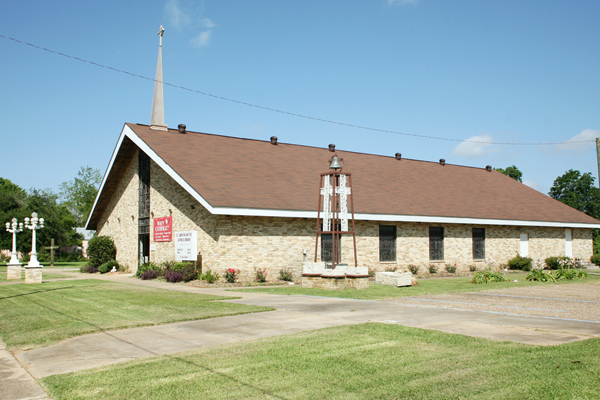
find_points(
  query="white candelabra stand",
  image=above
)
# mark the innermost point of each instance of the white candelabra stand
(13, 270)
(34, 224)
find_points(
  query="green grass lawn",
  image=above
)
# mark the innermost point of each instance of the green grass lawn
(425, 286)
(45, 275)
(39, 315)
(368, 361)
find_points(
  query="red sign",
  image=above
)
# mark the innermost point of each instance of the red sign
(163, 229)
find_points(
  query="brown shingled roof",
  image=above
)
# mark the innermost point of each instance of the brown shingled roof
(244, 173)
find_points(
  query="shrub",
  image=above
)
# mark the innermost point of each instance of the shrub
(487, 277)
(472, 268)
(433, 269)
(174, 276)
(107, 266)
(101, 249)
(148, 275)
(149, 266)
(555, 262)
(286, 275)
(414, 269)
(371, 273)
(451, 268)
(209, 276)
(391, 269)
(86, 269)
(231, 275)
(522, 263)
(595, 259)
(261, 275)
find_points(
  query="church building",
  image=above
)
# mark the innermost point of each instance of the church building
(174, 194)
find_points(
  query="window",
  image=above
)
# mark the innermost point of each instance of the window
(327, 247)
(144, 208)
(387, 243)
(478, 243)
(436, 243)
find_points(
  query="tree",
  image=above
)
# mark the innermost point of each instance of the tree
(579, 192)
(79, 194)
(12, 202)
(512, 172)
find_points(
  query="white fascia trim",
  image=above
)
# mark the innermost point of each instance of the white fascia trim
(166, 167)
(398, 218)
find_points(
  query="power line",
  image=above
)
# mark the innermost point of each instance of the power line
(286, 112)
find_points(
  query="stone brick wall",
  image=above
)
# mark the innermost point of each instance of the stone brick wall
(266, 243)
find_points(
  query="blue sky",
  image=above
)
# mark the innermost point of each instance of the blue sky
(488, 71)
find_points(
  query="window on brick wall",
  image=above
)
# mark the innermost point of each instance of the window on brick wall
(387, 243)
(478, 243)
(436, 243)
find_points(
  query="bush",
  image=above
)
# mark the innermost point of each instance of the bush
(261, 275)
(472, 268)
(451, 268)
(107, 266)
(555, 262)
(414, 269)
(487, 277)
(433, 269)
(174, 276)
(540, 275)
(286, 275)
(148, 275)
(88, 269)
(595, 259)
(391, 269)
(522, 263)
(101, 249)
(209, 276)
(149, 266)
(231, 275)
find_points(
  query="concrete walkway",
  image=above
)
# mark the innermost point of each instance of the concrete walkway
(292, 314)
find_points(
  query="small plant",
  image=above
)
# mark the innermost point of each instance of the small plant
(451, 268)
(173, 276)
(472, 268)
(522, 263)
(231, 275)
(147, 267)
(91, 269)
(433, 269)
(261, 275)
(391, 269)
(540, 275)
(371, 273)
(209, 276)
(107, 266)
(285, 275)
(487, 277)
(148, 275)
(414, 269)
(595, 259)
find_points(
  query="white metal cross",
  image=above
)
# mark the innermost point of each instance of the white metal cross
(327, 192)
(343, 191)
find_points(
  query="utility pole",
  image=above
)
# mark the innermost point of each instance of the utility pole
(598, 157)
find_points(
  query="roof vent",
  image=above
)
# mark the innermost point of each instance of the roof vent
(273, 139)
(181, 128)
(332, 147)
(442, 161)
(398, 156)
(488, 168)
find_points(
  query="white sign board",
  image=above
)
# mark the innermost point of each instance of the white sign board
(186, 246)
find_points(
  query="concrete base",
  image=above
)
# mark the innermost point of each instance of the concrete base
(13, 271)
(33, 274)
(396, 279)
(323, 282)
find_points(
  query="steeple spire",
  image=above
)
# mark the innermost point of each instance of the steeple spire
(157, 120)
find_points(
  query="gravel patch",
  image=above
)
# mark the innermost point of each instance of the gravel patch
(577, 301)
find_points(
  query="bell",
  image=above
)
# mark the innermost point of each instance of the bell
(335, 163)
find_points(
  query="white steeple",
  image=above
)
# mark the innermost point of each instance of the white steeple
(157, 121)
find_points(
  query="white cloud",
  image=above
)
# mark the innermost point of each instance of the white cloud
(392, 2)
(579, 143)
(207, 23)
(176, 15)
(475, 147)
(202, 39)
(533, 185)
